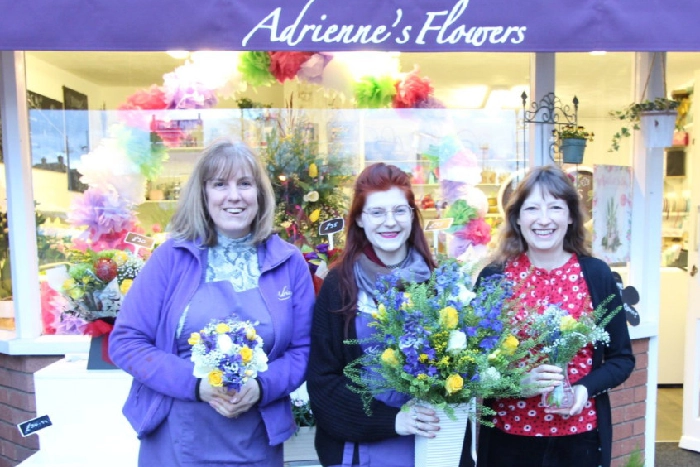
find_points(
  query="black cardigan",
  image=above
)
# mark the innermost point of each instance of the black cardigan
(339, 413)
(612, 364)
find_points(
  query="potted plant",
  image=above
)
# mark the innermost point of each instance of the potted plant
(572, 144)
(656, 119)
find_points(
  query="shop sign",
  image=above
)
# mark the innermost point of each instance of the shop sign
(35, 424)
(438, 224)
(330, 25)
(139, 240)
(331, 226)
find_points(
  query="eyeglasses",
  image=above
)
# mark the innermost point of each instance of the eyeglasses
(401, 213)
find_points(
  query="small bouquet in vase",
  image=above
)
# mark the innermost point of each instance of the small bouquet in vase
(563, 336)
(228, 353)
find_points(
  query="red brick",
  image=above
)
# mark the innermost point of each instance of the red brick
(640, 394)
(622, 397)
(623, 430)
(6, 462)
(21, 381)
(618, 415)
(642, 361)
(35, 363)
(634, 411)
(637, 378)
(21, 400)
(640, 426)
(640, 346)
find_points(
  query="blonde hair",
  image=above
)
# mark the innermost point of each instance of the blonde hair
(222, 159)
(554, 181)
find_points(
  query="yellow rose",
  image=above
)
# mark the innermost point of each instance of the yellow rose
(454, 383)
(126, 285)
(216, 378)
(246, 354)
(313, 170)
(194, 338)
(389, 357)
(568, 323)
(510, 345)
(313, 217)
(449, 317)
(222, 328)
(251, 334)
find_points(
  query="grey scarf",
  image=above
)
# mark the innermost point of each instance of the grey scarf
(412, 269)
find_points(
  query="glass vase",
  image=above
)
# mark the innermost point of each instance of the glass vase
(562, 397)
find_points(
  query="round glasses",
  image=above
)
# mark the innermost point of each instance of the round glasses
(400, 213)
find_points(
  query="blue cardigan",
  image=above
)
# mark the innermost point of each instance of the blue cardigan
(612, 364)
(143, 340)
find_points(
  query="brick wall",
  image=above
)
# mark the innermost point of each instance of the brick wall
(629, 408)
(17, 404)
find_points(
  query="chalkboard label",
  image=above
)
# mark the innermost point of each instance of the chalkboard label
(35, 424)
(139, 240)
(439, 224)
(331, 226)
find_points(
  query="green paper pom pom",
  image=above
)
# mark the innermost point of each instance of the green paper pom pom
(147, 156)
(461, 212)
(375, 93)
(255, 68)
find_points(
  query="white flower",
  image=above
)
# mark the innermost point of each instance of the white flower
(300, 394)
(260, 359)
(224, 344)
(490, 375)
(465, 295)
(312, 196)
(457, 341)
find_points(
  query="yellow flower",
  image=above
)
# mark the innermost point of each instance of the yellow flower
(510, 345)
(216, 378)
(313, 170)
(313, 217)
(194, 338)
(222, 328)
(423, 358)
(120, 257)
(454, 383)
(422, 376)
(380, 314)
(389, 357)
(249, 373)
(246, 354)
(493, 356)
(449, 317)
(568, 323)
(68, 284)
(251, 334)
(406, 301)
(126, 285)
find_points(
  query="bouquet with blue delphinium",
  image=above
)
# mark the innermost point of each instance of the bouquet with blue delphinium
(228, 353)
(444, 341)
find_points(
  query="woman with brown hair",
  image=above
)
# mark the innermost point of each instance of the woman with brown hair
(543, 252)
(383, 234)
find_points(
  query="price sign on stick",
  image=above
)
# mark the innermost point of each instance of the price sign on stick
(330, 227)
(139, 241)
(435, 226)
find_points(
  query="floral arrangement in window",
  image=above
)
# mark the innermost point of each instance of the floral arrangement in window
(307, 184)
(444, 341)
(631, 114)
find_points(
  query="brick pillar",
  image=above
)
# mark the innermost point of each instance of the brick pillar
(629, 408)
(17, 404)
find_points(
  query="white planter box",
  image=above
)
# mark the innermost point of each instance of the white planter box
(300, 447)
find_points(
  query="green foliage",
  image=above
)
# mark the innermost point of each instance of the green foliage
(307, 185)
(576, 132)
(635, 459)
(630, 115)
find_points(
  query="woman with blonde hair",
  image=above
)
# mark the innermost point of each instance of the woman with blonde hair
(222, 259)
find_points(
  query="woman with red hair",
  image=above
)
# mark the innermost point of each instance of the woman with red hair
(383, 234)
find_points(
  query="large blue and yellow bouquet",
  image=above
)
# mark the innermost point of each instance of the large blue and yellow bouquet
(228, 353)
(444, 341)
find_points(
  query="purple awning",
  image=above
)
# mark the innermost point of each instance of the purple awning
(335, 25)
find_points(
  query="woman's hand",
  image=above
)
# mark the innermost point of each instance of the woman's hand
(580, 398)
(541, 380)
(419, 421)
(232, 404)
(207, 392)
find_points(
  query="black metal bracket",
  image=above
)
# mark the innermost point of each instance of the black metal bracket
(549, 111)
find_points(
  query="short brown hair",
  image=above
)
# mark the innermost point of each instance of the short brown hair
(221, 159)
(558, 184)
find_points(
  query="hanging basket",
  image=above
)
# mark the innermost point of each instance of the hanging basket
(572, 150)
(657, 128)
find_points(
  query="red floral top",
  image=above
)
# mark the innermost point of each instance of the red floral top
(537, 288)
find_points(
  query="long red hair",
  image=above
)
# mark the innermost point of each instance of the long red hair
(376, 177)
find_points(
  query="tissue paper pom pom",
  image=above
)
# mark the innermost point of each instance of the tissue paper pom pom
(338, 76)
(474, 197)
(255, 68)
(134, 112)
(411, 89)
(147, 157)
(374, 93)
(312, 69)
(102, 211)
(477, 231)
(286, 65)
(430, 103)
(185, 88)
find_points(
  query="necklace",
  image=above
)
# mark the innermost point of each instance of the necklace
(394, 266)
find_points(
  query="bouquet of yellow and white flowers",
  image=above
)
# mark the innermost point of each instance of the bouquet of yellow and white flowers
(444, 342)
(228, 353)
